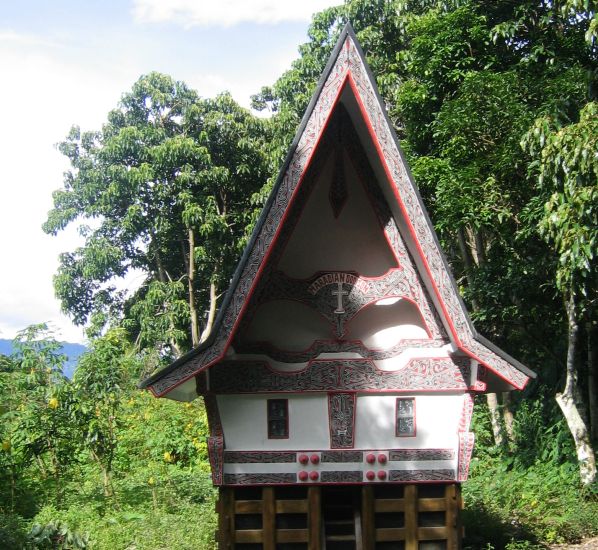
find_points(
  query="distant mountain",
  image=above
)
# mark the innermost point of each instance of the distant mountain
(72, 351)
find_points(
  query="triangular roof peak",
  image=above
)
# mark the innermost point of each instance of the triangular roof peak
(346, 85)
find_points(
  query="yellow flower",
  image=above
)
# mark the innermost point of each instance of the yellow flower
(168, 457)
(6, 445)
(53, 403)
(151, 480)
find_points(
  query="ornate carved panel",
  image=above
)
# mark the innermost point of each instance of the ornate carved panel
(341, 477)
(252, 457)
(341, 456)
(259, 479)
(422, 475)
(421, 454)
(421, 374)
(215, 454)
(341, 420)
(466, 441)
(336, 346)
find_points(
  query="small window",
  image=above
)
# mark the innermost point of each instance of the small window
(278, 418)
(405, 426)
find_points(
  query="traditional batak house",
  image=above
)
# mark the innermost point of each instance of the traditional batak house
(340, 373)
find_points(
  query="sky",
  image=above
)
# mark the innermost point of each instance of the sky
(67, 62)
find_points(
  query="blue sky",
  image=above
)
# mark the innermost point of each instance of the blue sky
(67, 62)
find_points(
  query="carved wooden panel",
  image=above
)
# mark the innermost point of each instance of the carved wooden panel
(341, 420)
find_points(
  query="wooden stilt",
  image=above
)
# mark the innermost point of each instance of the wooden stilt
(268, 519)
(411, 507)
(368, 528)
(226, 519)
(314, 517)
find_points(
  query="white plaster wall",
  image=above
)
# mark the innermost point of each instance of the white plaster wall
(244, 421)
(437, 420)
(352, 242)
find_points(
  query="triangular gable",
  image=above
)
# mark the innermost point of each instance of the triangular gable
(346, 73)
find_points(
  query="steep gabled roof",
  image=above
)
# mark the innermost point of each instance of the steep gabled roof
(346, 78)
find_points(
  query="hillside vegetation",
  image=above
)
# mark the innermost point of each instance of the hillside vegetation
(496, 109)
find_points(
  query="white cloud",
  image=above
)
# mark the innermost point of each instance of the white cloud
(43, 97)
(226, 13)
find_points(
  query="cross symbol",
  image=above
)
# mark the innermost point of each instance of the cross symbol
(339, 293)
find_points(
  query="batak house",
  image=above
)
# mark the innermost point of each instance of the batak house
(340, 374)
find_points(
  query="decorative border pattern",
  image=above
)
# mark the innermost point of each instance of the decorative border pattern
(466, 441)
(421, 475)
(421, 454)
(466, 413)
(254, 457)
(259, 479)
(341, 477)
(341, 456)
(337, 346)
(215, 454)
(216, 439)
(341, 420)
(420, 374)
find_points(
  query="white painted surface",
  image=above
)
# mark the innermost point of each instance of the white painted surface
(352, 242)
(437, 421)
(244, 421)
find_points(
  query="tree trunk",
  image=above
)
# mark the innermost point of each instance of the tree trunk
(592, 379)
(191, 289)
(211, 313)
(568, 401)
(497, 431)
(507, 414)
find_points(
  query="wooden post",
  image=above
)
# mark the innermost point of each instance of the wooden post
(314, 517)
(410, 498)
(268, 519)
(226, 519)
(368, 527)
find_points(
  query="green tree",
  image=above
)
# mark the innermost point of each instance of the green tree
(103, 375)
(165, 188)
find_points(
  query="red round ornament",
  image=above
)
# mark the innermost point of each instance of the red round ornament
(303, 476)
(370, 475)
(370, 458)
(381, 475)
(304, 459)
(382, 459)
(314, 476)
(315, 459)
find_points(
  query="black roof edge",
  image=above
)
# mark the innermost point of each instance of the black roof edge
(347, 30)
(481, 339)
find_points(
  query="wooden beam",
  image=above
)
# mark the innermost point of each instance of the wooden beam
(268, 519)
(368, 507)
(453, 516)
(410, 498)
(314, 517)
(226, 519)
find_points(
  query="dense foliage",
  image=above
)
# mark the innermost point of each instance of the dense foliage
(495, 104)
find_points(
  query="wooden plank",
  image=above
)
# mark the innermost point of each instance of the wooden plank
(368, 505)
(314, 518)
(410, 498)
(248, 507)
(291, 506)
(453, 516)
(432, 533)
(226, 519)
(387, 505)
(357, 520)
(390, 535)
(432, 504)
(292, 535)
(249, 536)
(268, 519)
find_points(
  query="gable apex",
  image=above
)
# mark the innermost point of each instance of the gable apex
(346, 80)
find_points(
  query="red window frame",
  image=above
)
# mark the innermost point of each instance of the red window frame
(413, 432)
(277, 411)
